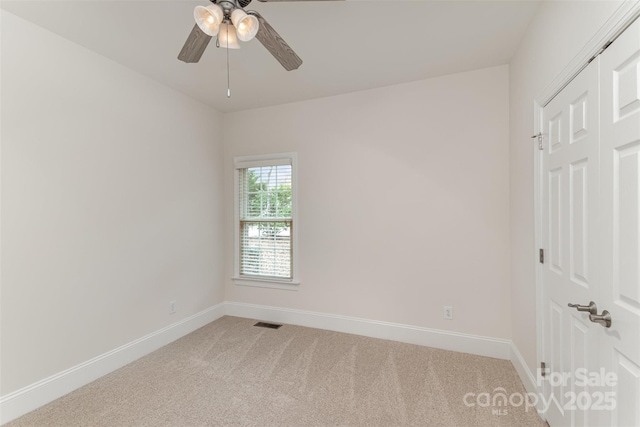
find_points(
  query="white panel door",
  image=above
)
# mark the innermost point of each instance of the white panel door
(570, 224)
(620, 200)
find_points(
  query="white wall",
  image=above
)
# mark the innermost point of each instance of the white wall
(403, 201)
(111, 205)
(555, 36)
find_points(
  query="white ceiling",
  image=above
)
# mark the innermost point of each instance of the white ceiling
(346, 46)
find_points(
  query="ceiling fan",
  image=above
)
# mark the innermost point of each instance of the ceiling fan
(229, 21)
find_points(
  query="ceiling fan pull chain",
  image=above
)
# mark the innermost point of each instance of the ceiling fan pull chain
(228, 78)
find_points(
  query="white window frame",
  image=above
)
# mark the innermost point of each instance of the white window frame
(243, 162)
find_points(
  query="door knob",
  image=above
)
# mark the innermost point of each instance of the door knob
(592, 308)
(604, 319)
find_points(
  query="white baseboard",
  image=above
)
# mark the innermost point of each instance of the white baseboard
(455, 341)
(525, 374)
(25, 400)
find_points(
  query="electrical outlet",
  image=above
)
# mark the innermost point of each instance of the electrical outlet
(172, 307)
(448, 312)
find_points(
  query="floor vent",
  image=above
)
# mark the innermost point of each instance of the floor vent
(267, 325)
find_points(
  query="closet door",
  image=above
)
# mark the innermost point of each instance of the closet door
(570, 221)
(620, 229)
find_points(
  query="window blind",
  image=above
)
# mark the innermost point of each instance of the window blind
(266, 220)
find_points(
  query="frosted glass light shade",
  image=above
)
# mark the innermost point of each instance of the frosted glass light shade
(232, 41)
(208, 18)
(246, 25)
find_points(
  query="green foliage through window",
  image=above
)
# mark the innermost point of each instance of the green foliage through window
(268, 192)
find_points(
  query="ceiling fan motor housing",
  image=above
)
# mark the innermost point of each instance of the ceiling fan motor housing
(229, 5)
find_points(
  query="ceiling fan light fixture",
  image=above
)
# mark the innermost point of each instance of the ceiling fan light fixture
(246, 25)
(208, 18)
(232, 41)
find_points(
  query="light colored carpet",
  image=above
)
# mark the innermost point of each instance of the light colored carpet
(230, 373)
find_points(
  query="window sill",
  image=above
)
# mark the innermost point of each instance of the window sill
(289, 285)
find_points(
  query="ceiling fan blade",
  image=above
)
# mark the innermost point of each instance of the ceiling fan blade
(271, 40)
(194, 46)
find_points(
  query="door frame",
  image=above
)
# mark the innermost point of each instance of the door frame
(628, 12)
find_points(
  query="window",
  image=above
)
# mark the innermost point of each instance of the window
(265, 232)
